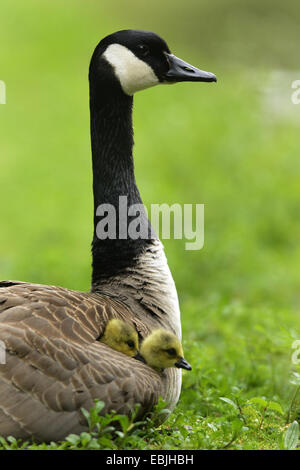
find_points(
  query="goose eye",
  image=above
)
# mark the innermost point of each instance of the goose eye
(143, 49)
(130, 343)
(171, 352)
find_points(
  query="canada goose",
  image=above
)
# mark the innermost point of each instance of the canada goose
(121, 336)
(55, 364)
(162, 349)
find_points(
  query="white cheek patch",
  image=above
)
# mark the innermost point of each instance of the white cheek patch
(134, 74)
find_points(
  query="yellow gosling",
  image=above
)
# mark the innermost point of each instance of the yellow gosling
(162, 349)
(121, 336)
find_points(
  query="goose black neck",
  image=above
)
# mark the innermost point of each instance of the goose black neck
(113, 176)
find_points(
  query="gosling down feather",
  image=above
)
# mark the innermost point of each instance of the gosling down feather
(55, 360)
(122, 337)
(160, 349)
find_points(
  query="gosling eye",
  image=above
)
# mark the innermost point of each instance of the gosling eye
(171, 352)
(143, 50)
(130, 343)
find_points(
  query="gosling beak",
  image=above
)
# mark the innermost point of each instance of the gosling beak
(183, 364)
(181, 71)
(139, 357)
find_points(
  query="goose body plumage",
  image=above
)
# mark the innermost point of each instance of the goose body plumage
(55, 364)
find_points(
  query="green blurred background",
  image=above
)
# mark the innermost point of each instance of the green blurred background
(233, 146)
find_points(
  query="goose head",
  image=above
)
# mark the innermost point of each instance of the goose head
(121, 336)
(162, 349)
(142, 59)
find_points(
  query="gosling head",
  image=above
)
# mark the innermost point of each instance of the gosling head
(121, 336)
(137, 60)
(162, 349)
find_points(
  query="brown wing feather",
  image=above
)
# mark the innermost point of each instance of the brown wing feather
(55, 365)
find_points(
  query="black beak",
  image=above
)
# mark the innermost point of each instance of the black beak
(183, 364)
(139, 357)
(181, 71)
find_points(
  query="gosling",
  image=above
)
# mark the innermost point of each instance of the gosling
(162, 349)
(121, 336)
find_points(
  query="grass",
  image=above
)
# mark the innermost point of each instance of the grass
(195, 143)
